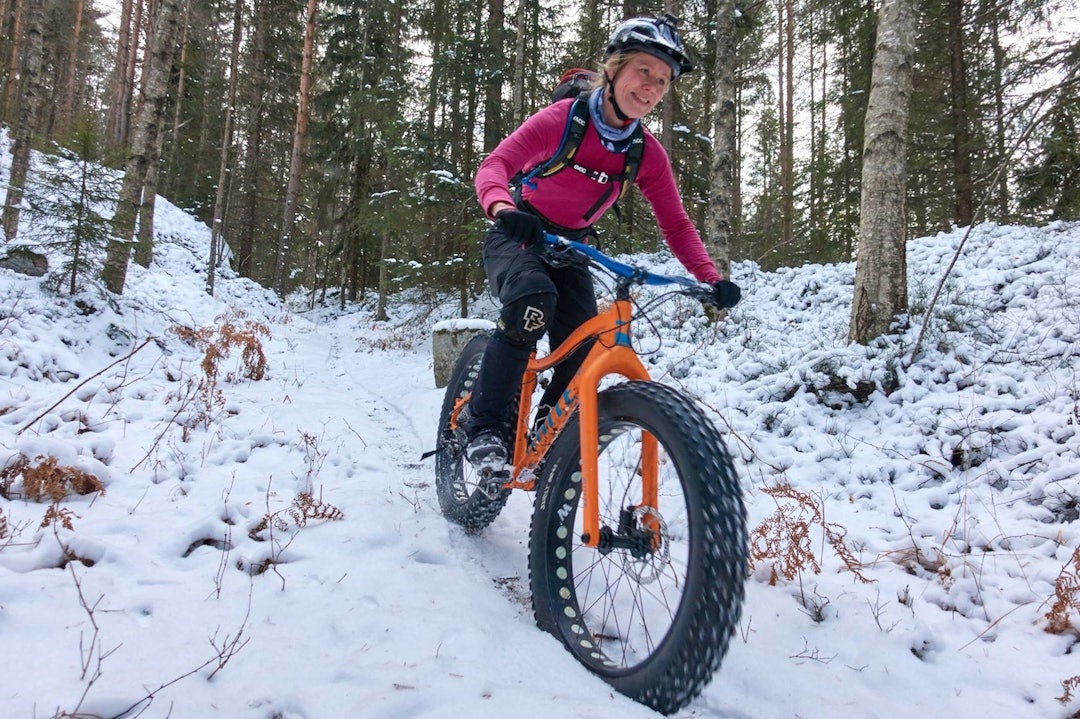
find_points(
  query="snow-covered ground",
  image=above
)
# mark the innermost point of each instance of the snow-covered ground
(939, 500)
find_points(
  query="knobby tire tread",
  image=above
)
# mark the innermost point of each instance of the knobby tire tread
(468, 507)
(683, 663)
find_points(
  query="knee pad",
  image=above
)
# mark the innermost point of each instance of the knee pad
(525, 320)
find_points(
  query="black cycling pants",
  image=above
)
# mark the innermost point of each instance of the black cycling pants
(515, 273)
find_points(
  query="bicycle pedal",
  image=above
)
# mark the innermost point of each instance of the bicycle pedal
(493, 481)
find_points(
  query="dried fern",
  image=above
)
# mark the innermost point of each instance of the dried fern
(1068, 685)
(46, 478)
(784, 537)
(304, 508)
(233, 330)
(1066, 597)
(57, 516)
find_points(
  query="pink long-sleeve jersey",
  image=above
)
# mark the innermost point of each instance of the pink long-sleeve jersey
(565, 196)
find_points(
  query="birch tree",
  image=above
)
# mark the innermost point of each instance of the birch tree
(296, 161)
(719, 221)
(881, 266)
(143, 144)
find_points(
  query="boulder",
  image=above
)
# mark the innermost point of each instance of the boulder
(448, 338)
(25, 261)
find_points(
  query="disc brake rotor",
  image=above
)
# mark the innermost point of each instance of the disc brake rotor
(648, 568)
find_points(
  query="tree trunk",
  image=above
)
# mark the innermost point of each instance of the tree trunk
(217, 226)
(67, 86)
(493, 102)
(517, 102)
(384, 280)
(964, 210)
(719, 222)
(18, 36)
(787, 140)
(30, 94)
(120, 89)
(881, 268)
(181, 81)
(144, 241)
(667, 108)
(255, 89)
(296, 160)
(1000, 144)
(436, 40)
(143, 146)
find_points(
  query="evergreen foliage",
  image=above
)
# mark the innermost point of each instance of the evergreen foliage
(67, 204)
(1050, 185)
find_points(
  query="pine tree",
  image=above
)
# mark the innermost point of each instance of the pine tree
(226, 164)
(66, 203)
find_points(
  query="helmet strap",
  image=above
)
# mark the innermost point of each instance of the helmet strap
(623, 117)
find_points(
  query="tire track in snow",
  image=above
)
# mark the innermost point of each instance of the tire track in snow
(395, 401)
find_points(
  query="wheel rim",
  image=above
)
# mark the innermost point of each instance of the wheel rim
(463, 477)
(621, 602)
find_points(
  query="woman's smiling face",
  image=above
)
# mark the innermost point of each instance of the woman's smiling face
(641, 83)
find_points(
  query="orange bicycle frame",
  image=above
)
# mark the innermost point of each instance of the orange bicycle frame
(612, 353)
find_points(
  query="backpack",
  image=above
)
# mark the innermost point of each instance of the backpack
(573, 82)
(576, 83)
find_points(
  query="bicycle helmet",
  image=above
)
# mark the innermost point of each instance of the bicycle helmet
(656, 36)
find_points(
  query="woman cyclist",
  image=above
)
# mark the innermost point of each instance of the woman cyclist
(643, 57)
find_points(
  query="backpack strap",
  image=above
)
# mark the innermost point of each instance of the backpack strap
(633, 158)
(576, 123)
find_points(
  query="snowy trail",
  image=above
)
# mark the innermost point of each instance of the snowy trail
(399, 523)
(390, 593)
(407, 413)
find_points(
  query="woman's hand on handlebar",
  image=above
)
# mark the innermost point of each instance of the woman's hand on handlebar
(725, 294)
(522, 227)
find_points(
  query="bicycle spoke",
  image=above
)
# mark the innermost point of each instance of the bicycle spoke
(627, 602)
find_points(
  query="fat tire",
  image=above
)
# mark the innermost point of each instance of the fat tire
(455, 479)
(678, 665)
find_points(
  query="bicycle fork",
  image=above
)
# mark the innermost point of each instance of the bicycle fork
(611, 354)
(622, 360)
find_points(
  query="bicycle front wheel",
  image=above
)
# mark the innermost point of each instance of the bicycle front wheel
(463, 496)
(652, 609)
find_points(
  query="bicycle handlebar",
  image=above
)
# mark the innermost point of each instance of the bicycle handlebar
(636, 275)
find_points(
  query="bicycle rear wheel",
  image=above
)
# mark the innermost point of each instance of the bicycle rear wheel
(463, 497)
(653, 608)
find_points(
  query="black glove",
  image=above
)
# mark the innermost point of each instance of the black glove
(521, 227)
(726, 294)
